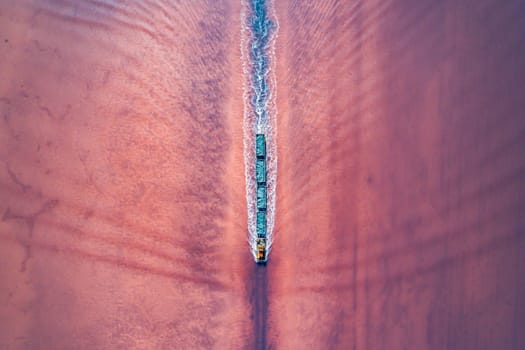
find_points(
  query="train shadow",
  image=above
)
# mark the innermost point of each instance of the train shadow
(258, 297)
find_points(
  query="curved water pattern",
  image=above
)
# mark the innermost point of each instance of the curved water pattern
(259, 31)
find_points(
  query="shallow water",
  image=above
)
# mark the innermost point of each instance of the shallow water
(122, 176)
(400, 183)
(401, 176)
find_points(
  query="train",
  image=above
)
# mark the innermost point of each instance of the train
(261, 251)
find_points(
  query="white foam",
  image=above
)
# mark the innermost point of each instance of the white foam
(259, 120)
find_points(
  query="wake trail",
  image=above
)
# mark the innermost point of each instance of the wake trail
(259, 32)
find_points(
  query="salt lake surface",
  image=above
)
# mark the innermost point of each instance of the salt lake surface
(400, 184)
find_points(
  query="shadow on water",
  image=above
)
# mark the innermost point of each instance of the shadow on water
(258, 292)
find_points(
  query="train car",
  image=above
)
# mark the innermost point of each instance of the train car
(261, 255)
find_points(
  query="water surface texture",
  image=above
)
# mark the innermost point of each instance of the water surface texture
(126, 129)
(122, 215)
(401, 176)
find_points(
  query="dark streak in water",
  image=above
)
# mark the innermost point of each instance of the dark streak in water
(259, 303)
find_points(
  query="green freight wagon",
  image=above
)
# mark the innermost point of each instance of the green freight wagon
(260, 171)
(260, 146)
(261, 198)
(261, 224)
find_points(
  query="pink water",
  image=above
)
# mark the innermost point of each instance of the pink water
(400, 196)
